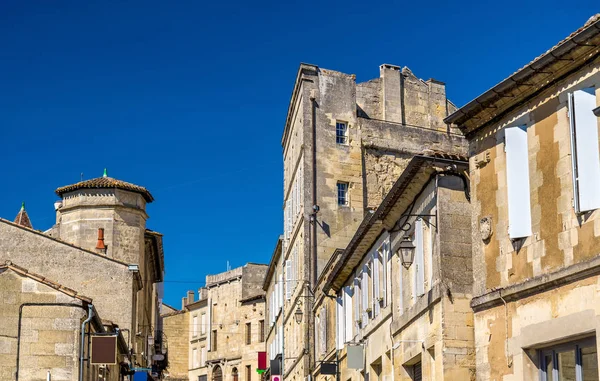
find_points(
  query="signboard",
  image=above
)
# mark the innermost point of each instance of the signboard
(328, 368)
(355, 357)
(262, 360)
(104, 350)
(275, 378)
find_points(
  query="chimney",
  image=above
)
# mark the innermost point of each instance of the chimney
(100, 245)
(190, 297)
(183, 303)
(392, 89)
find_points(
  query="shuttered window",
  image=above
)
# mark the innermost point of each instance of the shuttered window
(203, 324)
(340, 320)
(288, 279)
(517, 182)
(417, 372)
(419, 261)
(248, 333)
(357, 301)
(584, 148)
(261, 331)
(348, 323)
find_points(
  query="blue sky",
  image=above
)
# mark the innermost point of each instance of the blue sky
(189, 98)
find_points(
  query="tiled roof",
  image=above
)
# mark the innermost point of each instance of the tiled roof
(106, 183)
(22, 218)
(38, 278)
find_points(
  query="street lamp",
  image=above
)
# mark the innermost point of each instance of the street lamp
(298, 315)
(407, 252)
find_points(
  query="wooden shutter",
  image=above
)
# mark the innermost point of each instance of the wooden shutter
(586, 155)
(348, 324)
(340, 320)
(376, 275)
(517, 182)
(419, 260)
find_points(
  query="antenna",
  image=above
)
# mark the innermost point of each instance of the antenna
(81, 176)
(228, 268)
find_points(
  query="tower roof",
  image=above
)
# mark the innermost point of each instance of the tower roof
(22, 218)
(106, 182)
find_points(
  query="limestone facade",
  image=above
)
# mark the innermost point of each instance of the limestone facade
(533, 143)
(223, 330)
(344, 144)
(123, 278)
(409, 323)
(40, 325)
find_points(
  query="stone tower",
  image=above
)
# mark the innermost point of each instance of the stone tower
(105, 215)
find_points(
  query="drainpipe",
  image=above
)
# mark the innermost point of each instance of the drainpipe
(81, 352)
(21, 318)
(314, 209)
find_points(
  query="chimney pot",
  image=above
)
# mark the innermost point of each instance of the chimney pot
(190, 297)
(100, 245)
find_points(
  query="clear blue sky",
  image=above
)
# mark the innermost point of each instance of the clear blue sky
(189, 98)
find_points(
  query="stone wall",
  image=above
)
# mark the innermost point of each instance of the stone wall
(108, 282)
(175, 325)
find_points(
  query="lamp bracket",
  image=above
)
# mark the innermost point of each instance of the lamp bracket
(406, 226)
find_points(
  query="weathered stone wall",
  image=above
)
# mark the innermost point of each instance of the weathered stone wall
(560, 238)
(175, 326)
(108, 282)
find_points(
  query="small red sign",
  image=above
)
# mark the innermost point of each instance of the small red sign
(262, 360)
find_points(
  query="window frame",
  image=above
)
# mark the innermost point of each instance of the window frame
(553, 351)
(346, 186)
(341, 138)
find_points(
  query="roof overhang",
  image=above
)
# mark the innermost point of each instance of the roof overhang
(274, 259)
(581, 48)
(407, 188)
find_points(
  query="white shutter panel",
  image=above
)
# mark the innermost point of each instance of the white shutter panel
(357, 295)
(340, 320)
(419, 262)
(209, 319)
(288, 279)
(203, 324)
(517, 182)
(280, 293)
(430, 256)
(586, 156)
(364, 286)
(376, 275)
(280, 338)
(348, 314)
(386, 265)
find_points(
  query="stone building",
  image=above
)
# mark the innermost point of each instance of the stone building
(40, 329)
(100, 247)
(408, 316)
(344, 145)
(224, 329)
(535, 181)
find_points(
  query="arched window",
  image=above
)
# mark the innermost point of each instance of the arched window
(217, 374)
(234, 374)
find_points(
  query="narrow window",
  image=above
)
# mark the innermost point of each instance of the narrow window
(288, 279)
(417, 372)
(248, 333)
(248, 373)
(203, 324)
(341, 133)
(203, 358)
(340, 330)
(214, 340)
(348, 294)
(419, 268)
(195, 357)
(261, 332)
(342, 193)
(195, 326)
(584, 149)
(517, 182)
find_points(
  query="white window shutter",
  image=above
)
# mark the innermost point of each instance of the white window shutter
(348, 324)
(375, 272)
(209, 319)
(340, 320)
(280, 293)
(364, 286)
(357, 296)
(517, 182)
(429, 257)
(587, 155)
(288, 279)
(419, 260)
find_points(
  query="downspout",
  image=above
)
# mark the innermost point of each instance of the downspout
(312, 275)
(21, 318)
(285, 291)
(81, 353)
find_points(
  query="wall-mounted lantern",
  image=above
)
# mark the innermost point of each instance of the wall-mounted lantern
(407, 252)
(298, 315)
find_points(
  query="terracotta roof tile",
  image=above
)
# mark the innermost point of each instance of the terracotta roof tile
(106, 183)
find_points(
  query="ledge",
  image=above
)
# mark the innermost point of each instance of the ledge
(422, 305)
(537, 284)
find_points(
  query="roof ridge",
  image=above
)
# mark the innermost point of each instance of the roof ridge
(106, 182)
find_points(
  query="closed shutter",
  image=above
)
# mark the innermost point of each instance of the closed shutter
(517, 182)
(376, 275)
(364, 287)
(348, 324)
(417, 372)
(288, 279)
(340, 320)
(357, 297)
(209, 322)
(586, 155)
(419, 260)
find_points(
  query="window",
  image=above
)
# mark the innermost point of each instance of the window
(517, 182)
(261, 331)
(248, 373)
(248, 333)
(419, 261)
(342, 193)
(203, 324)
(203, 356)
(214, 340)
(584, 150)
(574, 361)
(195, 357)
(341, 133)
(195, 326)
(417, 372)
(347, 302)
